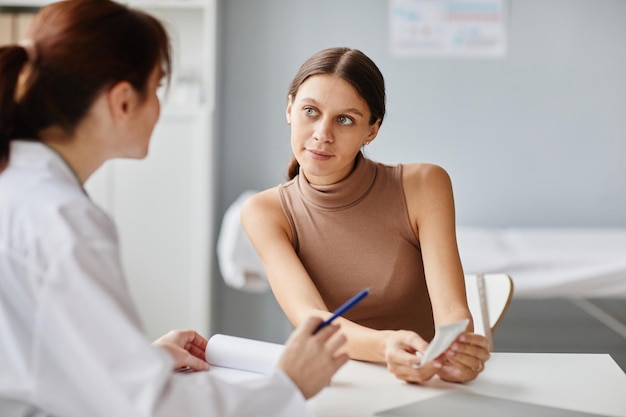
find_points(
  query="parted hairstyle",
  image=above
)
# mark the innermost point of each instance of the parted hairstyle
(74, 50)
(352, 66)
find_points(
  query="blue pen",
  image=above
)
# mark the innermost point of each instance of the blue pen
(345, 307)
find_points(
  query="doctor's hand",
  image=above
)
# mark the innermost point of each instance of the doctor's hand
(186, 348)
(465, 359)
(310, 360)
(403, 353)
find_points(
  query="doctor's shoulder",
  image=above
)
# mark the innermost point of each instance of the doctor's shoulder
(66, 215)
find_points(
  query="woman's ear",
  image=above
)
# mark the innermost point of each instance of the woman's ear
(122, 99)
(288, 110)
(373, 131)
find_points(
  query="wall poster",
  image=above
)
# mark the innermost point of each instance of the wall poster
(448, 28)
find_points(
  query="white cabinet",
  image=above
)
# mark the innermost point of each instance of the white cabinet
(163, 205)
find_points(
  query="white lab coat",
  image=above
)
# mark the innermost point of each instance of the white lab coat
(71, 342)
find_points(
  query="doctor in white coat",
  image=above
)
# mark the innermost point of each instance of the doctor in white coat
(79, 91)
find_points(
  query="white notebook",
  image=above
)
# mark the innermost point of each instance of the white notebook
(464, 404)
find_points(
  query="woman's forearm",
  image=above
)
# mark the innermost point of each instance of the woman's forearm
(363, 344)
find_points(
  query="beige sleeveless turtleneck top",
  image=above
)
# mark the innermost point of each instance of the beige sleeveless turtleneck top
(356, 234)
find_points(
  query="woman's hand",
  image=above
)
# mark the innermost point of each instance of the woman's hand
(403, 353)
(187, 348)
(465, 359)
(310, 360)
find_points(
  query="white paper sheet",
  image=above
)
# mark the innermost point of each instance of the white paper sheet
(237, 358)
(444, 336)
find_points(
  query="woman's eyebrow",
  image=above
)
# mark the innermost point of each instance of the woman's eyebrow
(348, 110)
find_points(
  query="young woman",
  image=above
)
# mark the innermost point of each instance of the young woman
(82, 89)
(343, 222)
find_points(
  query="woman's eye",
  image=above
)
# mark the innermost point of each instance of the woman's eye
(345, 120)
(310, 111)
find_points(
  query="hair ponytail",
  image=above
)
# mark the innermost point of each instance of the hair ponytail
(293, 168)
(77, 49)
(12, 59)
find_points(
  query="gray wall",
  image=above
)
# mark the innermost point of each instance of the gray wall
(537, 138)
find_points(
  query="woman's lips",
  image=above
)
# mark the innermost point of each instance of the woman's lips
(319, 155)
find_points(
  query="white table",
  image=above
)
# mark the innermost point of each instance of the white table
(582, 382)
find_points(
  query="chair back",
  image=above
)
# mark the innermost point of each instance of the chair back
(488, 298)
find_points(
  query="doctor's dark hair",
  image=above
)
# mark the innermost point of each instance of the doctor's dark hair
(352, 66)
(74, 50)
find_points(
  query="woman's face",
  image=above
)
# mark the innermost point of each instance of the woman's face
(329, 124)
(147, 115)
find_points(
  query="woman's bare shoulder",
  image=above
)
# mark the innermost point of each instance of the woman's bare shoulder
(428, 193)
(263, 206)
(424, 175)
(263, 199)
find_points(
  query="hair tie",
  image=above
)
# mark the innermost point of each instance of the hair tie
(29, 47)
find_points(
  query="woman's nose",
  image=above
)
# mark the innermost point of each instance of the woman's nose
(323, 131)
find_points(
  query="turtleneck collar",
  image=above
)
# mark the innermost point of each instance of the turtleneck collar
(344, 193)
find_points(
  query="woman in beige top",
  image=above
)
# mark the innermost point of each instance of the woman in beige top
(343, 222)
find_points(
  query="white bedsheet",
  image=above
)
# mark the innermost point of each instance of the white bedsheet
(239, 263)
(547, 262)
(543, 262)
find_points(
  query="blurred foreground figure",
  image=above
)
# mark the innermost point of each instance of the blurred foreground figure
(82, 89)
